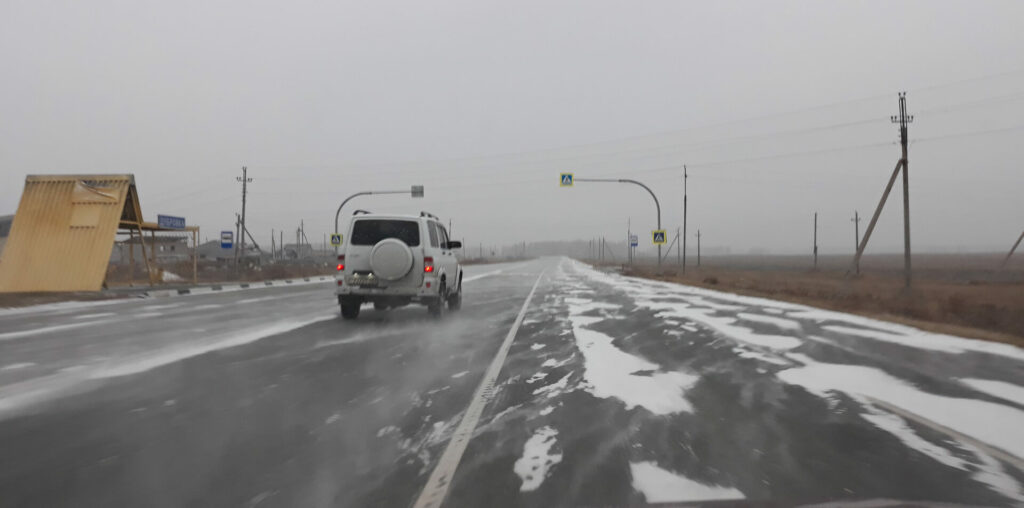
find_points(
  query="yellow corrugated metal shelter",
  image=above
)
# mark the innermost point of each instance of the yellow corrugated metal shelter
(64, 231)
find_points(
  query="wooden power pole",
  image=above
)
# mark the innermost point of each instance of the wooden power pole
(815, 240)
(903, 119)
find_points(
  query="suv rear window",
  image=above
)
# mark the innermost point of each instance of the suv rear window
(371, 231)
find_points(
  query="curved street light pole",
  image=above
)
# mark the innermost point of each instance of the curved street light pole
(416, 192)
(657, 205)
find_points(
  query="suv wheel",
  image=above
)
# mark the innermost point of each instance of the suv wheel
(350, 307)
(455, 299)
(436, 307)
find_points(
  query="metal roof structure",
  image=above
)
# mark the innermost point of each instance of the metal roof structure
(64, 230)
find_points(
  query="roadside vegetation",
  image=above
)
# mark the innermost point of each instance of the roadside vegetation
(964, 295)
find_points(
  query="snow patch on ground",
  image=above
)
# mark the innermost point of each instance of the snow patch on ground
(537, 459)
(898, 427)
(609, 371)
(459, 374)
(534, 347)
(704, 302)
(757, 355)
(661, 486)
(999, 389)
(556, 388)
(885, 331)
(990, 423)
(784, 324)
(723, 325)
(536, 377)
(552, 363)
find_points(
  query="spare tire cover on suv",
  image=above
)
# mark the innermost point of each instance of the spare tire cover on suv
(391, 259)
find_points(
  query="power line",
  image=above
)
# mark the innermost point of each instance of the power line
(968, 134)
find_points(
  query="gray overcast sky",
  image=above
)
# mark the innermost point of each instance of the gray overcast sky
(486, 102)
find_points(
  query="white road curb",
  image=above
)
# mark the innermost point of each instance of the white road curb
(227, 288)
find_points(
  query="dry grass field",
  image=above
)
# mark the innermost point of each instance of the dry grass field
(966, 295)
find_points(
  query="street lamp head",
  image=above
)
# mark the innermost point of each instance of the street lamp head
(417, 191)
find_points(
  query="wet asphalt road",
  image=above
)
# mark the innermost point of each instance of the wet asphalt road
(615, 391)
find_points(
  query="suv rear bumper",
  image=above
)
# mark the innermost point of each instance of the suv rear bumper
(414, 292)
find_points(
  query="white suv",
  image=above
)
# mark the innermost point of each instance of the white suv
(395, 260)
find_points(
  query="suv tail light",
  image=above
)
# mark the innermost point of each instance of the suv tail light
(341, 262)
(428, 264)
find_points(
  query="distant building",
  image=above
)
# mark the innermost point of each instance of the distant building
(298, 251)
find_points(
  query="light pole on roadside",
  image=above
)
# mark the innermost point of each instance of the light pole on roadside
(657, 205)
(416, 191)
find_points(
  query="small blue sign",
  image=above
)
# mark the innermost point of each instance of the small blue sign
(566, 180)
(634, 241)
(227, 239)
(335, 239)
(170, 222)
(658, 237)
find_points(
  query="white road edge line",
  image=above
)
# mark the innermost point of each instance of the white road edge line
(436, 489)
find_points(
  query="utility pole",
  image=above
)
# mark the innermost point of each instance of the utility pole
(815, 240)
(685, 177)
(238, 236)
(903, 119)
(679, 259)
(241, 241)
(629, 244)
(698, 248)
(856, 236)
(281, 233)
(273, 246)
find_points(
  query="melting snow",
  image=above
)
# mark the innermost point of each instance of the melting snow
(537, 458)
(608, 371)
(785, 324)
(995, 424)
(554, 388)
(460, 374)
(756, 355)
(662, 486)
(1000, 389)
(723, 325)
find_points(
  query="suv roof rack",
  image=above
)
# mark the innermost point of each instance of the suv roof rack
(428, 214)
(357, 212)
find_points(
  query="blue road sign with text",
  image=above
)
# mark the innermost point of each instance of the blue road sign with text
(170, 222)
(227, 239)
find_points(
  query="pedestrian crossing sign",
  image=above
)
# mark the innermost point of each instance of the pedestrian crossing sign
(566, 179)
(335, 239)
(658, 237)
